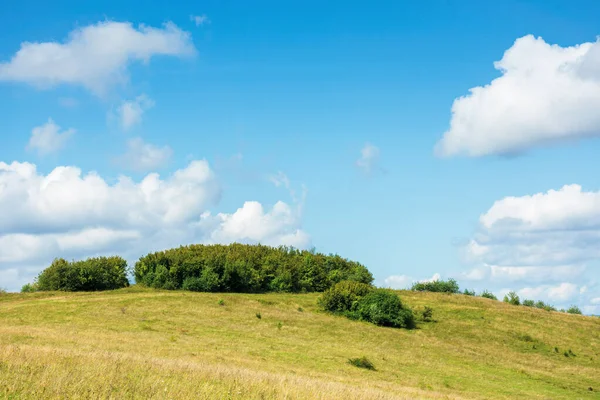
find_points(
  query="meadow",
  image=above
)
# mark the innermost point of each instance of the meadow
(141, 343)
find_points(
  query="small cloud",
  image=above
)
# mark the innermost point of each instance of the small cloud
(436, 277)
(68, 102)
(280, 179)
(200, 20)
(48, 138)
(368, 161)
(142, 156)
(398, 281)
(130, 112)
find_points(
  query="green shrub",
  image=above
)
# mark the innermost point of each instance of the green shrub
(246, 268)
(540, 304)
(468, 292)
(362, 362)
(221, 302)
(449, 286)
(102, 273)
(488, 295)
(528, 303)
(29, 288)
(258, 315)
(512, 298)
(343, 296)
(427, 314)
(383, 307)
(574, 310)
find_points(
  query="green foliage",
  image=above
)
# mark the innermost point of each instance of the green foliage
(29, 288)
(574, 310)
(540, 304)
(246, 269)
(468, 292)
(427, 314)
(449, 286)
(221, 302)
(512, 298)
(383, 307)
(343, 296)
(488, 295)
(102, 273)
(258, 315)
(362, 362)
(528, 303)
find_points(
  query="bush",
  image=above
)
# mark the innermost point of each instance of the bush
(488, 295)
(29, 288)
(512, 298)
(102, 273)
(540, 304)
(246, 268)
(344, 296)
(528, 303)
(449, 286)
(362, 362)
(468, 292)
(574, 310)
(427, 314)
(383, 307)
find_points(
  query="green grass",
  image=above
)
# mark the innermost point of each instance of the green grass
(142, 343)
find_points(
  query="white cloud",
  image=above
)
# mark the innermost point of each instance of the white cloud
(68, 102)
(595, 300)
(546, 94)
(200, 19)
(95, 56)
(558, 229)
(436, 277)
(48, 138)
(504, 274)
(369, 158)
(142, 156)
(280, 179)
(398, 281)
(130, 112)
(72, 215)
(561, 293)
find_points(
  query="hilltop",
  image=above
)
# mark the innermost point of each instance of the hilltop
(147, 343)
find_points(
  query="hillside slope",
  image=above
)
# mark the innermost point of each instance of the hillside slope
(141, 343)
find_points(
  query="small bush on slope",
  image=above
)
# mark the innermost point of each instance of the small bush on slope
(574, 310)
(512, 298)
(102, 273)
(488, 295)
(343, 296)
(383, 307)
(449, 286)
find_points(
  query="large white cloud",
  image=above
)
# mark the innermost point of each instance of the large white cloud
(546, 94)
(70, 214)
(94, 56)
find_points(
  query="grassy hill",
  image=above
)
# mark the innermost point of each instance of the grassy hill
(142, 343)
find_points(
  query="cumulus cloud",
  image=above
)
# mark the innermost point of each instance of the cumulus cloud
(561, 293)
(95, 56)
(368, 161)
(130, 111)
(200, 19)
(546, 94)
(48, 138)
(398, 281)
(558, 229)
(142, 156)
(70, 214)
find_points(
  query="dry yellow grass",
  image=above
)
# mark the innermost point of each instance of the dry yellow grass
(139, 343)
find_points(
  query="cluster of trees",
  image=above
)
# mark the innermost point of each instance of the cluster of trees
(246, 269)
(513, 298)
(440, 286)
(361, 301)
(101, 273)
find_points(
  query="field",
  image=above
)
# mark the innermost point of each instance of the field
(141, 343)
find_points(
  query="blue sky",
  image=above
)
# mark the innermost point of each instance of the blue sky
(267, 109)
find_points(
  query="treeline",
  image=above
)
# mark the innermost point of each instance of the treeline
(246, 269)
(451, 286)
(93, 274)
